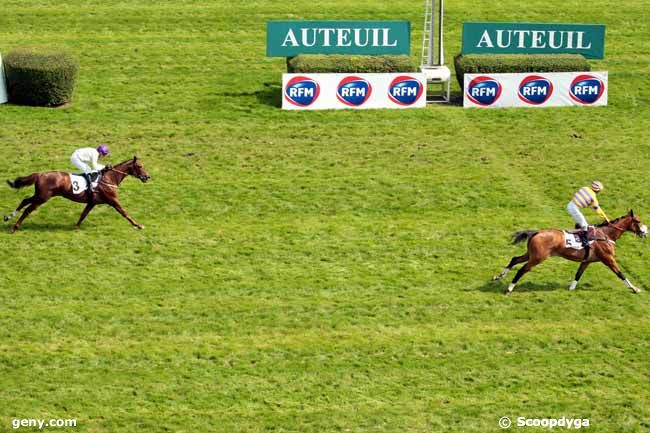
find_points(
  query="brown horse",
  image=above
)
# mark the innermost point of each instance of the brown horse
(545, 243)
(57, 183)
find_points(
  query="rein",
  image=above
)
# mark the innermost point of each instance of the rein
(617, 228)
(119, 171)
(115, 170)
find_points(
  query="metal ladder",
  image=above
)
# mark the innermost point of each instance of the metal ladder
(429, 34)
(432, 64)
(426, 34)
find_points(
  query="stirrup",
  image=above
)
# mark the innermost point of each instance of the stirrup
(591, 233)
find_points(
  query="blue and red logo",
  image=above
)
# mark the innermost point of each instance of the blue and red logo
(405, 90)
(302, 91)
(484, 90)
(586, 89)
(535, 89)
(353, 91)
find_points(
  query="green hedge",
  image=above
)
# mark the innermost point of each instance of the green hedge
(42, 77)
(345, 64)
(512, 63)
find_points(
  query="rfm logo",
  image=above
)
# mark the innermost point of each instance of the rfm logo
(586, 89)
(353, 91)
(405, 90)
(535, 89)
(301, 91)
(484, 90)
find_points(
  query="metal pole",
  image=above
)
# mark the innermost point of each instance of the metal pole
(432, 33)
(441, 56)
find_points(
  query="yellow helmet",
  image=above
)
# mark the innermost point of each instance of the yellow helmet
(596, 186)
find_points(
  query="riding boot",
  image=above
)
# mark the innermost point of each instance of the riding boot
(89, 187)
(584, 237)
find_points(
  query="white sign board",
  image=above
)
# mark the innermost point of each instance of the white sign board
(356, 91)
(535, 89)
(3, 83)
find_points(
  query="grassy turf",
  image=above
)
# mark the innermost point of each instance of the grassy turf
(321, 271)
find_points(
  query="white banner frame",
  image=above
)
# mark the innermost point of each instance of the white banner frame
(353, 91)
(535, 89)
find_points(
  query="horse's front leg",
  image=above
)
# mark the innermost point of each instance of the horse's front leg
(118, 207)
(610, 262)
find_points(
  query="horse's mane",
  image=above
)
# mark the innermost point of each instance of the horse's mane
(605, 223)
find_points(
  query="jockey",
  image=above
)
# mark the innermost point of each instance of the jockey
(85, 159)
(583, 198)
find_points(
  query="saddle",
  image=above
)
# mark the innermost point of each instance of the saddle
(79, 184)
(576, 240)
(94, 176)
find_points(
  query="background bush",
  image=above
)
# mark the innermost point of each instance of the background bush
(43, 77)
(344, 64)
(513, 63)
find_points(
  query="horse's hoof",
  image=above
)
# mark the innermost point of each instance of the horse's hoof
(495, 277)
(636, 290)
(6, 218)
(139, 227)
(507, 292)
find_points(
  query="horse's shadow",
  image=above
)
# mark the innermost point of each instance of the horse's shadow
(47, 227)
(499, 287)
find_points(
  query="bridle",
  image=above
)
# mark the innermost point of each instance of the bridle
(120, 172)
(614, 226)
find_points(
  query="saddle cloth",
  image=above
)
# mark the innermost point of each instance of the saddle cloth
(572, 240)
(79, 184)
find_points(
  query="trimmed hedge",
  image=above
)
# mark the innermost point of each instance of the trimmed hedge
(513, 63)
(346, 64)
(42, 77)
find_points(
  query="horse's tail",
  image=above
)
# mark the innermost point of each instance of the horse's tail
(21, 182)
(523, 235)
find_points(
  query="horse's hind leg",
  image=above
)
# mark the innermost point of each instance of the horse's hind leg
(514, 261)
(579, 273)
(32, 207)
(85, 213)
(534, 261)
(20, 206)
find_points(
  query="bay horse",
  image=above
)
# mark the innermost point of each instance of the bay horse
(545, 243)
(57, 183)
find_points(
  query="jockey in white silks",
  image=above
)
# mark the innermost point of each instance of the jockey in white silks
(87, 159)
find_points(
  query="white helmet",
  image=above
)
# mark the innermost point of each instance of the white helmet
(596, 186)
